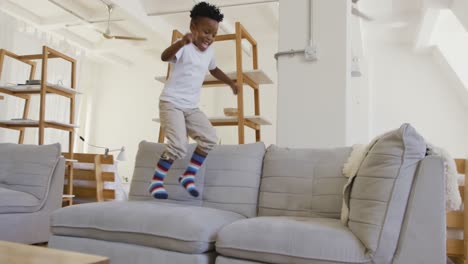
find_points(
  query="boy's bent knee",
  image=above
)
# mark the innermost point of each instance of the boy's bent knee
(208, 143)
(175, 152)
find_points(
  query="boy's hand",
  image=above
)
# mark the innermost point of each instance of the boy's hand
(234, 88)
(188, 38)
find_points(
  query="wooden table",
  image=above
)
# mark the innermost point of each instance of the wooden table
(14, 253)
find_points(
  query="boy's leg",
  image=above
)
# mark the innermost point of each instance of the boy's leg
(156, 187)
(200, 129)
(173, 122)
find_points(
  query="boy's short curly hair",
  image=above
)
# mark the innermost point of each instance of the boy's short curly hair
(204, 9)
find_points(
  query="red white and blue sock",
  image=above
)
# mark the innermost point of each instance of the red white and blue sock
(188, 178)
(157, 184)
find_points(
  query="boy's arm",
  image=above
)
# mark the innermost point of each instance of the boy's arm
(220, 75)
(169, 53)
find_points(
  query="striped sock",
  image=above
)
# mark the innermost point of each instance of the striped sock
(188, 178)
(156, 187)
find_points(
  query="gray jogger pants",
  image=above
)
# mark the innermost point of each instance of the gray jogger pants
(178, 122)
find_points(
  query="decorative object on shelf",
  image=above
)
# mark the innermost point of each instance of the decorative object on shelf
(33, 82)
(230, 111)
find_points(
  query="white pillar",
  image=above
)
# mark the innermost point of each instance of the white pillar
(313, 98)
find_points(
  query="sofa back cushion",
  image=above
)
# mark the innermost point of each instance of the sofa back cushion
(302, 182)
(229, 178)
(28, 168)
(381, 188)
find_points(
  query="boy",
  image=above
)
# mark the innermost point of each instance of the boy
(191, 57)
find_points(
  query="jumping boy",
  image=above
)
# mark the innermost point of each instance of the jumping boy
(190, 57)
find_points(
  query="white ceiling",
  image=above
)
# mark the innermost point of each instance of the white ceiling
(80, 20)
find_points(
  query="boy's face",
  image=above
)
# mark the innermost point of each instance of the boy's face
(204, 31)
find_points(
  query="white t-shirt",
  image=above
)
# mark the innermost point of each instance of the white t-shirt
(188, 71)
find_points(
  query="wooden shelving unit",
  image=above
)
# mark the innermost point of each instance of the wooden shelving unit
(252, 78)
(43, 89)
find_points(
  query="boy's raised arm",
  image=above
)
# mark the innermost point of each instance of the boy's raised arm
(169, 53)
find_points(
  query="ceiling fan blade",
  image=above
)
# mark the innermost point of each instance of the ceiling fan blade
(129, 38)
(358, 13)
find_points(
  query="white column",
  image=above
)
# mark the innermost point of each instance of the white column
(312, 96)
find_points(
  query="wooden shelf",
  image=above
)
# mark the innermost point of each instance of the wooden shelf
(252, 78)
(17, 124)
(42, 90)
(36, 89)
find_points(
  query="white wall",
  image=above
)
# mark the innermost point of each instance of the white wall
(313, 100)
(359, 111)
(411, 88)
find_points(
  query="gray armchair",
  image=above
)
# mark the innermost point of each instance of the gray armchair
(31, 187)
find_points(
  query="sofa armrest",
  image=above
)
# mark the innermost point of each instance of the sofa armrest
(423, 234)
(54, 196)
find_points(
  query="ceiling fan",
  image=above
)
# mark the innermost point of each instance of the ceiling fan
(358, 13)
(108, 35)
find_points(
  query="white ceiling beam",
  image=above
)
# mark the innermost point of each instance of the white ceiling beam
(427, 22)
(220, 6)
(110, 58)
(57, 22)
(437, 4)
(115, 45)
(460, 9)
(73, 8)
(458, 83)
(30, 18)
(136, 10)
(425, 29)
(19, 12)
(76, 39)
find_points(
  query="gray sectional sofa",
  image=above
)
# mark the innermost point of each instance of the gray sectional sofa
(31, 187)
(275, 205)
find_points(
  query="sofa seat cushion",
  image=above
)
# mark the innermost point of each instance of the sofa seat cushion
(290, 240)
(12, 201)
(175, 227)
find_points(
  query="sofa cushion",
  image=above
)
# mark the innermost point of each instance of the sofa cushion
(12, 201)
(28, 168)
(232, 178)
(175, 227)
(302, 182)
(228, 180)
(298, 240)
(379, 193)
